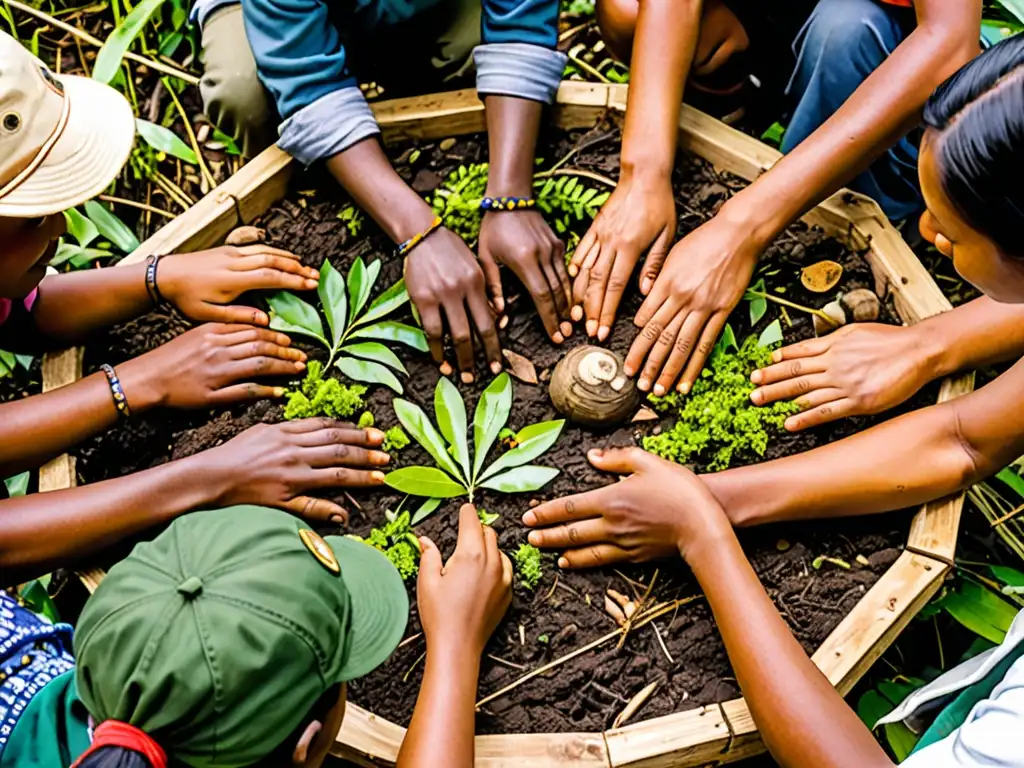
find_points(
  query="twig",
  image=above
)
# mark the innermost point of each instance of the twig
(793, 305)
(173, 190)
(1007, 517)
(134, 204)
(588, 68)
(568, 34)
(506, 662)
(661, 642)
(192, 137)
(577, 172)
(411, 639)
(642, 602)
(85, 36)
(405, 677)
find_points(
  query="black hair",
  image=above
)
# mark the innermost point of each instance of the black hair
(115, 757)
(977, 116)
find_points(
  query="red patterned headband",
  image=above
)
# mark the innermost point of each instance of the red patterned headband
(113, 733)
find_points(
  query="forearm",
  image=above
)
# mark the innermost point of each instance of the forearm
(665, 42)
(512, 126)
(365, 172)
(801, 717)
(43, 531)
(71, 306)
(443, 723)
(979, 333)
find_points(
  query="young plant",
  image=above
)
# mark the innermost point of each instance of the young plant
(97, 225)
(318, 396)
(398, 543)
(455, 475)
(366, 360)
(528, 565)
(10, 362)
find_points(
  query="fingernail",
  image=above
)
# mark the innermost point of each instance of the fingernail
(314, 273)
(557, 338)
(311, 284)
(503, 323)
(279, 391)
(644, 384)
(576, 313)
(573, 270)
(659, 390)
(755, 377)
(302, 355)
(299, 365)
(645, 285)
(534, 537)
(591, 327)
(596, 453)
(495, 367)
(377, 477)
(262, 318)
(566, 328)
(499, 304)
(339, 519)
(755, 397)
(777, 356)
(629, 370)
(446, 369)
(602, 332)
(529, 519)
(380, 457)
(563, 562)
(467, 377)
(684, 388)
(375, 435)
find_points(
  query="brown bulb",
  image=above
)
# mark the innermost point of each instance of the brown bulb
(588, 386)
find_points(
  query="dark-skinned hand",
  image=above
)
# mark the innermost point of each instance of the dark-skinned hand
(860, 369)
(200, 284)
(210, 366)
(660, 510)
(523, 242)
(703, 279)
(446, 283)
(639, 216)
(462, 601)
(276, 465)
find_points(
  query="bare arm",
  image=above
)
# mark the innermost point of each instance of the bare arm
(71, 306)
(979, 333)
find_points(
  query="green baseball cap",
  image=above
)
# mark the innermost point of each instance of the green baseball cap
(217, 637)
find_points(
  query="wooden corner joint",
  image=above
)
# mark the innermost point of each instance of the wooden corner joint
(947, 563)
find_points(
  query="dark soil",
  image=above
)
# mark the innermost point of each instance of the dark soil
(566, 610)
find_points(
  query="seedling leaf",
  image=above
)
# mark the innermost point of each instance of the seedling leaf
(418, 425)
(770, 335)
(521, 479)
(393, 298)
(725, 341)
(291, 314)
(424, 481)
(368, 372)
(82, 229)
(372, 350)
(427, 508)
(359, 284)
(165, 140)
(491, 415)
(392, 331)
(111, 227)
(331, 290)
(531, 442)
(108, 60)
(980, 610)
(17, 485)
(451, 418)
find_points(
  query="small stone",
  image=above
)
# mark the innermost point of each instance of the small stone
(534, 503)
(446, 144)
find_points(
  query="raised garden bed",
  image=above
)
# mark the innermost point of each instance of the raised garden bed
(845, 616)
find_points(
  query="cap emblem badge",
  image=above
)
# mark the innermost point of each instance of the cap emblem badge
(321, 550)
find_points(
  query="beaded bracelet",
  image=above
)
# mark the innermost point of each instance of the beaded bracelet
(412, 242)
(507, 203)
(152, 288)
(116, 391)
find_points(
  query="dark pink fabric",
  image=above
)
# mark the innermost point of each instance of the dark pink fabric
(5, 305)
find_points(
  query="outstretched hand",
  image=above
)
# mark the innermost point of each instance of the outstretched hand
(660, 510)
(200, 284)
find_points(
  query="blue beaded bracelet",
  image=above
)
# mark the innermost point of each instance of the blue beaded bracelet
(116, 391)
(507, 203)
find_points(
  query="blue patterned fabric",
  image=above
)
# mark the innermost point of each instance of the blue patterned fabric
(32, 653)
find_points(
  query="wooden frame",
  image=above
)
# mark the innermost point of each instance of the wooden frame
(710, 735)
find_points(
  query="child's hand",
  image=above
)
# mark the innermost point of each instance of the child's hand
(199, 284)
(462, 601)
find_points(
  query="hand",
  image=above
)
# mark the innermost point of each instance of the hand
(704, 278)
(198, 284)
(522, 241)
(659, 510)
(202, 368)
(461, 602)
(860, 369)
(442, 275)
(276, 465)
(639, 215)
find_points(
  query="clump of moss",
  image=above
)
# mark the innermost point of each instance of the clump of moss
(528, 565)
(395, 439)
(318, 396)
(366, 420)
(717, 420)
(398, 543)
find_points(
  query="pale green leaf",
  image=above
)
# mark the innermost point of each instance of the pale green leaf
(424, 481)
(25, 361)
(770, 335)
(531, 442)
(374, 350)
(108, 60)
(451, 418)
(18, 485)
(331, 290)
(422, 431)
(165, 140)
(79, 227)
(426, 509)
(725, 341)
(290, 314)
(392, 331)
(980, 610)
(368, 372)
(111, 227)
(758, 306)
(521, 479)
(1012, 479)
(491, 414)
(393, 298)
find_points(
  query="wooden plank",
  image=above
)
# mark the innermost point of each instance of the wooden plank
(60, 369)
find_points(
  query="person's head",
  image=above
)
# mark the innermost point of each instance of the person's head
(227, 641)
(971, 162)
(63, 140)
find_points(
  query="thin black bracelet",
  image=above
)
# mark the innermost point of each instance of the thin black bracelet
(116, 391)
(152, 287)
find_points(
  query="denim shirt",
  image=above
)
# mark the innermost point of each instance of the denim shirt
(302, 61)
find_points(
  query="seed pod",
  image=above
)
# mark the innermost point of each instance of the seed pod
(863, 305)
(589, 387)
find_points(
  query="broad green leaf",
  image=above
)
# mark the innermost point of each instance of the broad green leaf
(872, 707)
(770, 335)
(169, 45)
(373, 350)
(331, 290)
(758, 306)
(18, 485)
(491, 414)
(8, 358)
(980, 610)
(290, 314)
(77, 256)
(393, 298)
(368, 372)
(369, 279)
(1015, 7)
(358, 286)
(1012, 479)
(111, 227)
(4, 370)
(391, 331)
(427, 508)
(1009, 576)
(418, 425)
(901, 740)
(451, 418)
(531, 441)
(165, 140)
(38, 600)
(230, 146)
(424, 481)
(108, 60)
(82, 229)
(521, 479)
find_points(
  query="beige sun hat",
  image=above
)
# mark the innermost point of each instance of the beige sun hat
(63, 138)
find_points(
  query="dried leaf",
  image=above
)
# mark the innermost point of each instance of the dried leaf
(645, 414)
(821, 277)
(520, 367)
(634, 704)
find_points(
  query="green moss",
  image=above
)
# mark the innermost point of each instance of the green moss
(395, 439)
(717, 421)
(366, 420)
(398, 543)
(323, 397)
(528, 565)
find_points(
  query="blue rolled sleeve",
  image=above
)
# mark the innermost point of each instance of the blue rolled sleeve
(518, 56)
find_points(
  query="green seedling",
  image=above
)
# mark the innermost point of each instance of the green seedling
(355, 342)
(487, 518)
(454, 474)
(395, 439)
(398, 543)
(528, 565)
